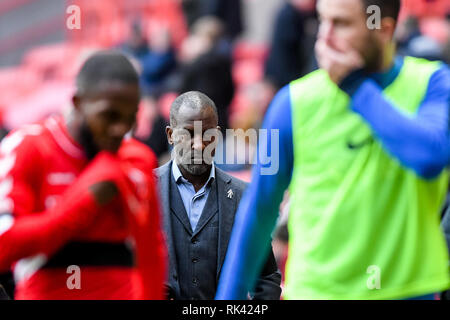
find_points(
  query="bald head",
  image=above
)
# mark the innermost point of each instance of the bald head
(192, 131)
(195, 101)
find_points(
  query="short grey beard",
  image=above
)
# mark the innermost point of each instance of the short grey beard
(187, 163)
(195, 169)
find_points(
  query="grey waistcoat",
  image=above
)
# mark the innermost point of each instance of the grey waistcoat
(196, 252)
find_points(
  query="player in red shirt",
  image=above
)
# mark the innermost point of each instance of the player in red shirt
(77, 199)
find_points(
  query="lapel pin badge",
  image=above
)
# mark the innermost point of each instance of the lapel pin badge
(230, 194)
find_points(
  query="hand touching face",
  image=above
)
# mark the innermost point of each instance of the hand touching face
(338, 63)
(344, 41)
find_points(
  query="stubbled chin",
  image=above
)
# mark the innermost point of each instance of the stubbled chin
(196, 169)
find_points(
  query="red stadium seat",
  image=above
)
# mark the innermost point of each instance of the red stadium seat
(435, 28)
(50, 98)
(244, 50)
(425, 8)
(247, 72)
(53, 61)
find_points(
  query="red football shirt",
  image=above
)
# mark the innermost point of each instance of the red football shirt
(69, 247)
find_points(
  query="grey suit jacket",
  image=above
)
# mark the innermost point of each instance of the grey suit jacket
(268, 285)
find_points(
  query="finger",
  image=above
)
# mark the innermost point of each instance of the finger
(320, 50)
(350, 57)
(342, 46)
(319, 47)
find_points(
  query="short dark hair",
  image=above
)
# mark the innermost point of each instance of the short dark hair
(105, 66)
(389, 8)
(191, 99)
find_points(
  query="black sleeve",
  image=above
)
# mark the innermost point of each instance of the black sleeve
(445, 224)
(268, 284)
(6, 286)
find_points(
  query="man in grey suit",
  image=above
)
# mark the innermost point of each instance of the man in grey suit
(199, 202)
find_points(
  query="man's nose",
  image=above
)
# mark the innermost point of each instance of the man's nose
(197, 142)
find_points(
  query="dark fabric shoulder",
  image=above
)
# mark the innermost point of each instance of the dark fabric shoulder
(241, 185)
(3, 295)
(162, 169)
(235, 182)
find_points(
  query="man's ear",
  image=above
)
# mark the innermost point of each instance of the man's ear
(219, 131)
(387, 30)
(169, 132)
(76, 100)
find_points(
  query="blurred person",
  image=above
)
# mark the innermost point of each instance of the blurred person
(411, 41)
(194, 10)
(77, 193)
(206, 66)
(446, 50)
(159, 62)
(363, 146)
(230, 13)
(136, 43)
(405, 31)
(151, 126)
(280, 241)
(199, 203)
(292, 47)
(281, 233)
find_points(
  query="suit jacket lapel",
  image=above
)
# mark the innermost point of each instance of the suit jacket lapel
(163, 179)
(227, 210)
(210, 208)
(177, 206)
(164, 185)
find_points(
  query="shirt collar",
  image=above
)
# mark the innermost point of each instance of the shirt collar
(178, 176)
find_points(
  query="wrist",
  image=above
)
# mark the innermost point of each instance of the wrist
(352, 82)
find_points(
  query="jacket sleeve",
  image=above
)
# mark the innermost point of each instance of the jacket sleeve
(268, 283)
(3, 295)
(445, 225)
(419, 141)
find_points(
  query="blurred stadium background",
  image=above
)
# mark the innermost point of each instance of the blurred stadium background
(39, 55)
